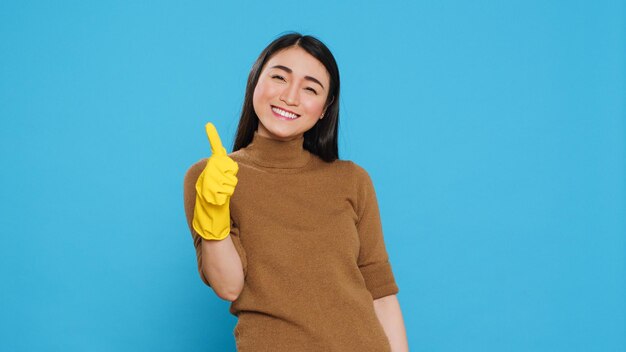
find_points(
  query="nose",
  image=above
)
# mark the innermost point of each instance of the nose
(290, 95)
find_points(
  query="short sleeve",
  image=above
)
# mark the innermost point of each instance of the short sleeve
(189, 195)
(373, 260)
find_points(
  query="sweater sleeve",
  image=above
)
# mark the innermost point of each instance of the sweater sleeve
(373, 260)
(189, 195)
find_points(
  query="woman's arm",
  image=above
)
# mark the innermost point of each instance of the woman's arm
(388, 312)
(219, 263)
(222, 267)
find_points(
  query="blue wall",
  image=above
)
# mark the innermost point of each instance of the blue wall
(494, 133)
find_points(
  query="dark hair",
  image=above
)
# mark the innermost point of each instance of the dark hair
(321, 139)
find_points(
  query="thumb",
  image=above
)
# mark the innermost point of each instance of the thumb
(214, 140)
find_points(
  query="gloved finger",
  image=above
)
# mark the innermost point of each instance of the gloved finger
(224, 184)
(213, 184)
(210, 183)
(220, 199)
(229, 180)
(217, 170)
(225, 164)
(214, 140)
(216, 198)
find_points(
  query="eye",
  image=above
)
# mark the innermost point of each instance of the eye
(279, 77)
(311, 89)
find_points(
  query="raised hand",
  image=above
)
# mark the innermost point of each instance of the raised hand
(214, 187)
(218, 179)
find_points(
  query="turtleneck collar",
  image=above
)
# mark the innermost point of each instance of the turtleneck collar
(273, 153)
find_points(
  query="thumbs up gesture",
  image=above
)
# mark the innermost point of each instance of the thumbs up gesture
(218, 180)
(214, 187)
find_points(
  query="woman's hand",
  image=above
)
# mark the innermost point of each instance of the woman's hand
(214, 187)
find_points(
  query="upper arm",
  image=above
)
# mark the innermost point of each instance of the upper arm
(373, 260)
(189, 189)
(189, 200)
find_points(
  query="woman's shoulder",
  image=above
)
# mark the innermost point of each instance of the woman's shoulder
(197, 166)
(351, 169)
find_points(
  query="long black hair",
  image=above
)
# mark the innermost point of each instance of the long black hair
(321, 139)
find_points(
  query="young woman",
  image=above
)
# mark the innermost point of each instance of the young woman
(286, 230)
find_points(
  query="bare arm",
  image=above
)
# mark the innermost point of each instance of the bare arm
(388, 312)
(222, 267)
(219, 263)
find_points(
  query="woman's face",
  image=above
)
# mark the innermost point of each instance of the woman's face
(290, 94)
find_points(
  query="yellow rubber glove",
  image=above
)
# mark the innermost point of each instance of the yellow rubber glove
(215, 185)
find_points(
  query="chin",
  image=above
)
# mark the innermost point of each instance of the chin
(283, 134)
(278, 129)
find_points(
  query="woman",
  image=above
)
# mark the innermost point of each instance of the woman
(283, 228)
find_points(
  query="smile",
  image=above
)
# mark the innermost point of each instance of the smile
(285, 114)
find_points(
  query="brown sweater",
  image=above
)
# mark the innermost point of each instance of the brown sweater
(310, 240)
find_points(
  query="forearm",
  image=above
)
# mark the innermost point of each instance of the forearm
(390, 317)
(222, 267)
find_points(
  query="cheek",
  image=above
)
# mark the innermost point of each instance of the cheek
(263, 93)
(259, 98)
(314, 107)
(257, 94)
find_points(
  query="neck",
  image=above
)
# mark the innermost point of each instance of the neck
(262, 132)
(275, 153)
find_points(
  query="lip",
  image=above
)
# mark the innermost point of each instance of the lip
(274, 106)
(281, 117)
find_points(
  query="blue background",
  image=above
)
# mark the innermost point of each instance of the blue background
(494, 133)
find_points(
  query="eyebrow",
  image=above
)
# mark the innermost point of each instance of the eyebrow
(308, 78)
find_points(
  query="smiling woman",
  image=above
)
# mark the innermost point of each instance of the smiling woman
(288, 90)
(301, 252)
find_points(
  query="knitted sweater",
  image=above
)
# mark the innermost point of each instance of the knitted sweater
(310, 239)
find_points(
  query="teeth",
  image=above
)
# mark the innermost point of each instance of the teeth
(284, 113)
